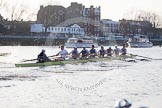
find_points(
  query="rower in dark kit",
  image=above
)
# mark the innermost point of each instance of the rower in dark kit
(123, 50)
(84, 53)
(74, 53)
(109, 51)
(93, 52)
(42, 57)
(102, 52)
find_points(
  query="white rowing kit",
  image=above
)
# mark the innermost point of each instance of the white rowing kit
(63, 53)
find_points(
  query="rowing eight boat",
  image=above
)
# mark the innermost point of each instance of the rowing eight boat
(70, 61)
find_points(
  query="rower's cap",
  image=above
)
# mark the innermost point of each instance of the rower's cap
(43, 50)
(123, 104)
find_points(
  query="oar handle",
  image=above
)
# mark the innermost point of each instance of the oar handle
(28, 60)
(52, 56)
(35, 59)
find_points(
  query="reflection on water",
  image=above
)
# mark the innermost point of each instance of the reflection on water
(91, 85)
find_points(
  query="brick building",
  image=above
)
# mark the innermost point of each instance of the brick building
(92, 22)
(74, 11)
(51, 15)
(54, 15)
(132, 27)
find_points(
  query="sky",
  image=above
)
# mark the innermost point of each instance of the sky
(110, 9)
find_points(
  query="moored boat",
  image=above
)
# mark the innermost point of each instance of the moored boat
(71, 61)
(139, 41)
(80, 43)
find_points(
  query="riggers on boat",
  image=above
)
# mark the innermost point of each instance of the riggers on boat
(71, 61)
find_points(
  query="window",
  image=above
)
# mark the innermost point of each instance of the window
(64, 29)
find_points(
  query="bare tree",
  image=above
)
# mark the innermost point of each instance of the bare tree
(31, 16)
(156, 20)
(17, 12)
(140, 15)
(2, 3)
(124, 27)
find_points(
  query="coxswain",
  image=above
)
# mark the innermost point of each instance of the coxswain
(123, 50)
(74, 53)
(102, 52)
(63, 54)
(116, 50)
(42, 57)
(93, 52)
(84, 53)
(109, 51)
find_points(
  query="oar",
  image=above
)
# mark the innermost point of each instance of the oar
(144, 57)
(35, 59)
(52, 56)
(140, 56)
(28, 60)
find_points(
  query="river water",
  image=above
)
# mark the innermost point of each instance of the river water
(89, 85)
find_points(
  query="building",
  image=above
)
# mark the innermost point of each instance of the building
(132, 27)
(36, 28)
(51, 15)
(110, 28)
(92, 22)
(55, 15)
(72, 30)
(74, 10)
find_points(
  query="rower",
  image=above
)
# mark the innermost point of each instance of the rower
(63, 53)
(102, 52)
(74, 53)
(93, 52)
(109, 51)
(84, 53)
(42, 57)
(123, 50)
(116, 50)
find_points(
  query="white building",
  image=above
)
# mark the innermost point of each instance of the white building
(109, 27)
(36, 28)
(74, 29)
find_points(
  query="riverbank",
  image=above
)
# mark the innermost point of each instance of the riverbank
(30, 40)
